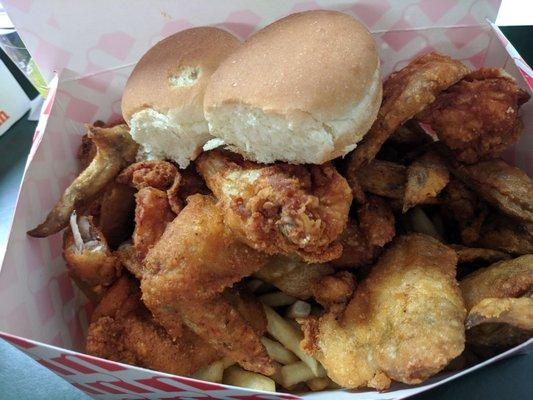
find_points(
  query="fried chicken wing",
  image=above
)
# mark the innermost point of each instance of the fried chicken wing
(404, 322)
(478, 116)
(115, 149)
(509, 278)
(476, 254)
(405, 93)
(426, 177)
(186, 273)
(505, 322)
(505, 234)
(123, 330)
(280, 208)
(499, 303)
(88, 256)
(505, 187)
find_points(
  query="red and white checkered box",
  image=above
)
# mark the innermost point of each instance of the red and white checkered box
(88, 49)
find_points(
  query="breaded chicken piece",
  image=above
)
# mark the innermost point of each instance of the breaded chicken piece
(507, 188)
(363, 239)
(186, 273)
(376, 221)
(293, 276)
(156, 173)
(152, 214)
(404, 322)
(405, 93)
(89, 259)
(464, 206)
(356, 251)
(123, 330)
(426, 177)
(499, 303)
(280, 208)
(508, 278)
(478, 116)
(506, 234)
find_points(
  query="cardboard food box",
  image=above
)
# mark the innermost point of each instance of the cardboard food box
(87, 50)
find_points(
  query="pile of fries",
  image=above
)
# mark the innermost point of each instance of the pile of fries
(420, 194)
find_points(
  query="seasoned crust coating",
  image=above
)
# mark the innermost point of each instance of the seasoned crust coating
(478, 116)
(405, 93)
(404, 322)
(123, 330)
(186, 273)
(280, 208)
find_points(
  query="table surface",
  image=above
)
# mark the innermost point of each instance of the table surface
(23, 378)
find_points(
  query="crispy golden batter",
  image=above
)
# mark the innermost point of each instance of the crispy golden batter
(498, 314)
(356, 251)
(465, 208)
(405, 93)
(115, 216)
(499, 322)
(426, 177)
(88, 256)
(477, 254)
(86, 152)
(293, 276)
(280, 208)
(506, 234)
(115, 150)
(505, 187)
(157, 174)
(510, 278)
(334, 290)
(383, 178)
(376, 221)
(152, 215)
(404, 322)
(123, 330)
(478, 116)
(186, 273)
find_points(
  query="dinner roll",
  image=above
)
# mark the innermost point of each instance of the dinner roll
(163, 97)
(304, 89)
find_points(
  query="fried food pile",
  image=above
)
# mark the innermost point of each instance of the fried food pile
(412, 255)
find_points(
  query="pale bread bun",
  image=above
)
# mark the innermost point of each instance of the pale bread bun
(163, 98)
(304, 89)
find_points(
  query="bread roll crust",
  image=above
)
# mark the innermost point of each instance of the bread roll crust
(318, 71)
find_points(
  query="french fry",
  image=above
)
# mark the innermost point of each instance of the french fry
(277, 352)
(298, 372)
(317, 384)
(421, 223)
(211, 373)
(277, 299)
(237, 376)
(299, 309)
(290, 337)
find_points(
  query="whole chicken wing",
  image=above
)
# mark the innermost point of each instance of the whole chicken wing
(185, 277)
